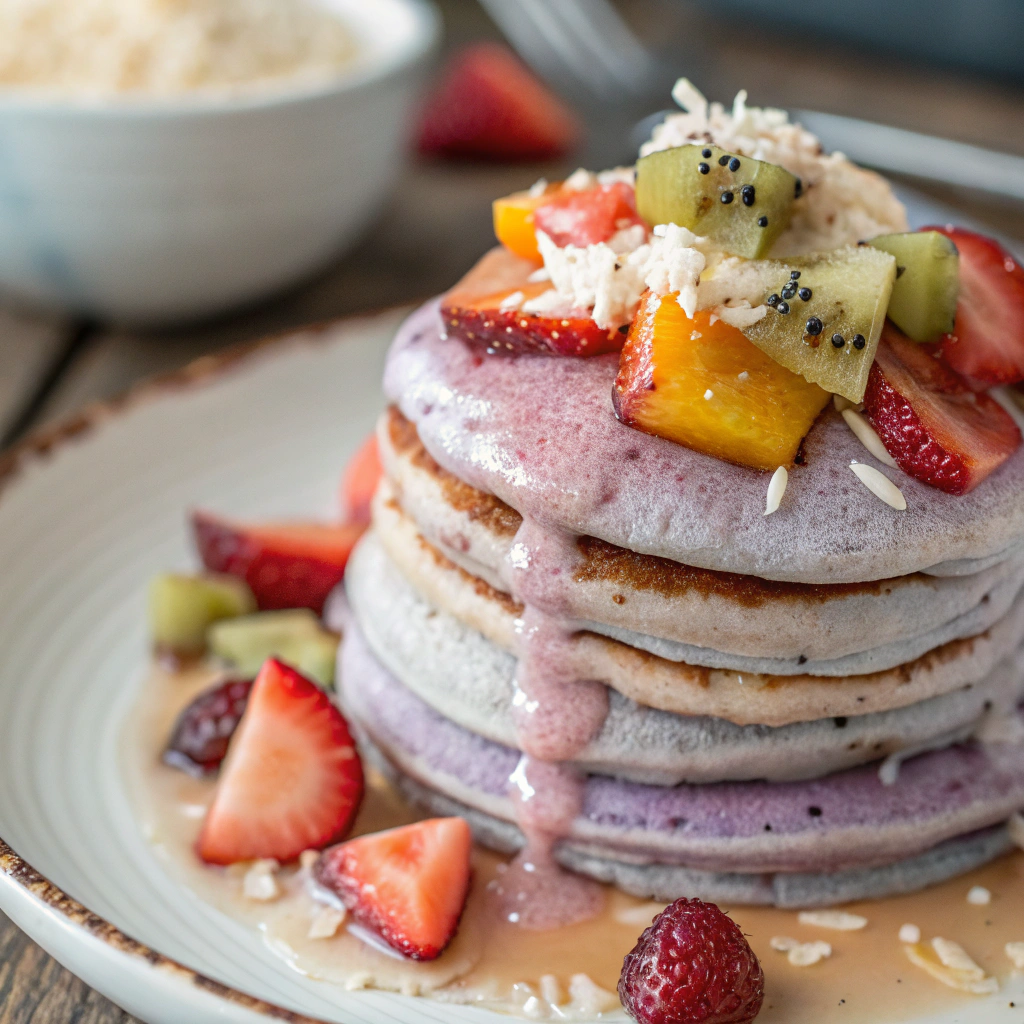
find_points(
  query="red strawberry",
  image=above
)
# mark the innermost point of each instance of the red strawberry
(292, 779)
(287, 565)
(930, 421)
(692, 966)
(359, 482)
(987, 343)
(472, 311)
(589, 216)
(408, 884)
(489, 106)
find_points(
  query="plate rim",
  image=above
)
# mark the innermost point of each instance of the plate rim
(46, 440)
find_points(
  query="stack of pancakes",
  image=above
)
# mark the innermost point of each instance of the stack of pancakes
(805, 708)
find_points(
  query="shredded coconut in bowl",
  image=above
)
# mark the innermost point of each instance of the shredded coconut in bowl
(109, 48)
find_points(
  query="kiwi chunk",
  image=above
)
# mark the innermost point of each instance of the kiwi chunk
(826, 315)
(294, 635)
(181, 608)
(742, 203)
(923, 303)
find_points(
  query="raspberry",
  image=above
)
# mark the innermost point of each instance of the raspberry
(692, 966)
(204, 729)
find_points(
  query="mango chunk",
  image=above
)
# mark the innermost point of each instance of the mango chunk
(705, 386)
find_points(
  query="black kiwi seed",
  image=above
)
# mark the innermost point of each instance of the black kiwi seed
(705, 153)
(794, 275)
(789, 290)
(762, 222)
(814, 326)
(782, 307)
(772, 300)
(798, 188)
(727, 198)
(858, 341)
(703, 168)
(734, 164)
(748, 194)
(805, 294)
(900, 271)
(838, 340)
(723, 160)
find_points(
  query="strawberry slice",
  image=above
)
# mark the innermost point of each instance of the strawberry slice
(292, 779)
(359, 482)
(408, 884)
(587, 217)
(287, 565)
(987, 343)
(930, 421)
(489, 106)
(472, 311)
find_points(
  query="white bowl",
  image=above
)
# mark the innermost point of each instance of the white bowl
(158, 210)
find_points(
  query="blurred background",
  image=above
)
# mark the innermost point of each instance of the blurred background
(945, 68)
(139, 233)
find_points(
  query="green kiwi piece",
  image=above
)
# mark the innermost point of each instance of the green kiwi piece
(294, 635)
(830, 336)
(742, 203)
(181, 608)
(923, 303)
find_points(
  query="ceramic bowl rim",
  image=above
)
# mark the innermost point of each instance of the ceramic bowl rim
(201, 104)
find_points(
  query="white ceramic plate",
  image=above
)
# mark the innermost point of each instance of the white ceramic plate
(87, 515)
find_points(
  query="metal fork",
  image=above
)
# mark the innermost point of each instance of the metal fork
(583, 47)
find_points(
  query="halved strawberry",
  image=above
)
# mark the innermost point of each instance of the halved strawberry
(287, 565)
(359, 482)
(489, 105)
(408, 884)
(472, 311)
(292, 779)
(987, 343)
(589, 216)
(930, 421)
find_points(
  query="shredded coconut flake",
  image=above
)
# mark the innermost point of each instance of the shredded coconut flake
(1015, 952)
(879, 485)
(801, 954)
(708, 395)
(979, 896)
(513, 301)
(259, 882)
(326, 922)
(837, 920)
(776, 488)
(550, 990)
(588, 999)
(867, 436)
(949, 962)
(910, 933)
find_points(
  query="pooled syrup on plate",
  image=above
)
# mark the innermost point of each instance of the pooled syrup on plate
(494, 963)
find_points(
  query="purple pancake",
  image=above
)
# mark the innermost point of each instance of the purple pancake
(844, 821)
(540, 433)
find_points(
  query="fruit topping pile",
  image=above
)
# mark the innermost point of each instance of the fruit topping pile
(692, 966)
(746, 277)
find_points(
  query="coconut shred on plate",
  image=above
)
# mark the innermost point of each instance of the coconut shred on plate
(114, 48)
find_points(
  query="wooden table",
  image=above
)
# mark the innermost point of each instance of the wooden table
(435, 227)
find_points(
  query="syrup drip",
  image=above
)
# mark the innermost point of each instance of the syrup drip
(556, 715)
(533, 891)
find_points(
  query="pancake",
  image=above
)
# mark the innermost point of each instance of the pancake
(843, 822)
(777, 627)
(739, 697)
(668, 882)
(469, 680)
(540, 434)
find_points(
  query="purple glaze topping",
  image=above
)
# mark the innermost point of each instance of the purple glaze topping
(540, 433)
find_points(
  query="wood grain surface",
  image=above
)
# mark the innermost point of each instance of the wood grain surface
(435, 227)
